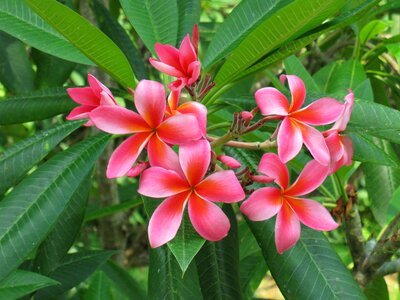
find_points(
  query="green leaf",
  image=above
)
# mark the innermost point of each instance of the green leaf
(28, 213)
(218, 264)
(99, 287)
(266, 37)
(186, 244)
(16, 161)
(372, 29)
(87, 38)
(16, 72)
(165, 278)
(245, 17)
(57, 243)
(110, 210)
(156, 21)
(35, 106)
(18, 19)
(110, 26)
(294, 66)
(21, 283)
(74, 269)
(310, 270)
(124, 281)
(189, 14)
(377, 289)
(252, 272)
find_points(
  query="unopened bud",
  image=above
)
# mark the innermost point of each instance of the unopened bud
(229, 161)
(262, 179)
(246, 115)
(138, 169)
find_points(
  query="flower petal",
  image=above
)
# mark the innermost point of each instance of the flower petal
(158, 182)
(106, 99)
(84, 96)
(272, 166)
(173, 99)
(187, 53)
(178, 84)
(150, 101)
(320, 112)
(117, 120)
(80, 112)
(193, 72)
(289, 139)
(270, 101)
(97, 87)
(312, 214)
(164, 68)
(166, 219)
(179, 129)
(168, 55)
(348, 149)
(194, 158)
(341, 123)
(336, 149)
(123, 158)
(199, 110)
(208, 219)
(263, 204)
(287, 229)
(315, 142)
(312, 176)
(297, 89)
(222, 186)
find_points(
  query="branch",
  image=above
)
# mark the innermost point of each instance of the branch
(243, 145)
(388, 268)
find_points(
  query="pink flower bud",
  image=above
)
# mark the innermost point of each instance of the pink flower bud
(262, 178)
(246, 115)
(138, 169)
(229, 161)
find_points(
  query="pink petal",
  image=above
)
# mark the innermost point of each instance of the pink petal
(297, 89)
(287, 229)
(123, 158)
(348, 150)
(312, 176)
(312, 214)
(150, 101)
(178, 84)
(320, 112)
(335, 146)
(80, 112)
(157, 182)
(222, 186)
(193, 72)
(194, 158)
(229, 161)
(97, 87)
(106, 99)
(341, 123)
(271, 165)
(84, 96)
(208, 219)
(168, 55)
(173, 99)
(187, 54)
(263, 204)
(179, 129)
(199, 110)
(315, 142)
(164, 68)
(289, 139)
(166, 219)
(195, 37)
(162, 155)
(270, 101)
(117, 120)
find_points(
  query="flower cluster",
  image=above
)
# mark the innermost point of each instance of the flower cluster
(193, 177)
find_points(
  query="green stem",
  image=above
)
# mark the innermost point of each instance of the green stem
(218, 126)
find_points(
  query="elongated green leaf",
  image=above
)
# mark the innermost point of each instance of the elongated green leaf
(16, 72)
(124, 281)
(166, 280)
(21, 283)
(74, 269)
(99, 287)
(56, 245)
(87, 38)
(252, 271)
(156, 21)
(16, 161)
(110, 210)
(189, 14)
(294, 19)
(377, 289)
(29, 211)
(240, 22)
(19, 20)
(186, 243)
(310, 270)
(38, 105)
(110, 26)
(218, 264)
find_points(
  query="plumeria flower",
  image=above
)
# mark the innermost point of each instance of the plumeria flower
(185, 185)
(341, 146)
(285, 201)
(148, 126)
(182, 63)
(90, 97)
(295, 128)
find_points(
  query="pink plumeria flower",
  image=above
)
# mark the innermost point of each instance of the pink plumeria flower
(182, 63)
(284, 201)
(295, 128)
(341, 146)
(148, 126)
(90, 97)
(185, 185)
